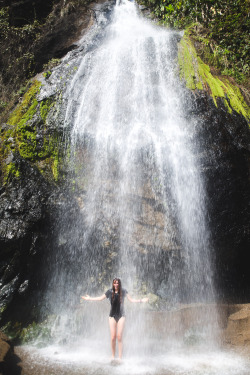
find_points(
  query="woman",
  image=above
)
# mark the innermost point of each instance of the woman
(116, 295)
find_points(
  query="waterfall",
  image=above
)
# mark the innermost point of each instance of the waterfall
(142, 209)
(142, 191)
(138, 183)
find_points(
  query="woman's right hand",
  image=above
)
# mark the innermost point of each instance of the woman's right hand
(87, 297)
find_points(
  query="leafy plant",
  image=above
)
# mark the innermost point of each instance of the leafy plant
(51, 64)
(224, 26)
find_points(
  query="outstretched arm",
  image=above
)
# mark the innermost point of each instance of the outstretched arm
(88, 298)
(137, 300)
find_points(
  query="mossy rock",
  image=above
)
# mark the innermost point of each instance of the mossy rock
(38, 334)
(28, 135)
(197, 76)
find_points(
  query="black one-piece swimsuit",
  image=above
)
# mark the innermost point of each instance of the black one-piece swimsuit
(117, 308)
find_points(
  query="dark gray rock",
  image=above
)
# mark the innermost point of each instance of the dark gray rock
(38, 215)
(224, 157)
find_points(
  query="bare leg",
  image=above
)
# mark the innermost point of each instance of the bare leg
(120, 327)
(112, 326)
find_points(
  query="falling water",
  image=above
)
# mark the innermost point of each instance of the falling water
(142, 199)
(142, 185)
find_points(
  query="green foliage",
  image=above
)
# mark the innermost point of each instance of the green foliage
(225, 28)
(4, 18)
(197, 75)
(25, 42)
(17, 61)
(47, 74)
(51, 64)
(2, 104)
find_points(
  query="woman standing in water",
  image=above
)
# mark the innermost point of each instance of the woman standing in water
(116, 295)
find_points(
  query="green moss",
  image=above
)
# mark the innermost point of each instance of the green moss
(51, 64)
(33, 144)
(45, 107)
(24, 134)
(35, 333)
(11, 170)
(197, 76)
(55, 167)
(12, 330)
(236, 99)
(221, 26)
(23, 112)
(2, 309)
(186, 64)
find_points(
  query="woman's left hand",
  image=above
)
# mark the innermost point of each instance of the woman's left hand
(144, 299)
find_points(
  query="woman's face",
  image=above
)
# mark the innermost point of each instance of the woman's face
(116, 284)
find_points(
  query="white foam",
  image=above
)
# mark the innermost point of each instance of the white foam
(182, 362)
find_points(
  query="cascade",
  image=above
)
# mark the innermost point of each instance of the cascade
(135, 151)
(142, 206)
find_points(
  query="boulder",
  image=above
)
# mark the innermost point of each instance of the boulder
(237, 333)
(9, 361)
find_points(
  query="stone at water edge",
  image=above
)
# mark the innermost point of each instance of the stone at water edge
(9, 361)
(237, 333)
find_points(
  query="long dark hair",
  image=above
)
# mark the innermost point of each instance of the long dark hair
(119, 289)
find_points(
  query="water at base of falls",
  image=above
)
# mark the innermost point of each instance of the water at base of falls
(87, 358)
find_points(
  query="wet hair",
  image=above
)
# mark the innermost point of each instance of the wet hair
(119, 289)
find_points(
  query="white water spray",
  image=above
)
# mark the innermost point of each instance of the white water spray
(143, 214)
(138, 157)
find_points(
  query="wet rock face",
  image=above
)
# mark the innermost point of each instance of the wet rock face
(224, 156)
(32, 200)
(29, 209)
(44, 31)
(22, 227)
(33, 239)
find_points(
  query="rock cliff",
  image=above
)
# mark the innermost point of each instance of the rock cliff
(40, 186)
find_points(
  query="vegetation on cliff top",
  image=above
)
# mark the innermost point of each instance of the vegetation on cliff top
(197, 75)
(221, 26)
(41, 31)
(32, 33)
